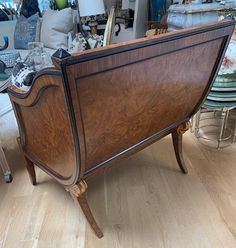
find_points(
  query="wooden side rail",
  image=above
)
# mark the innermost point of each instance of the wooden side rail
(43, 117)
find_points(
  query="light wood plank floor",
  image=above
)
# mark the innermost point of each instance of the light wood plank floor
(144, 202)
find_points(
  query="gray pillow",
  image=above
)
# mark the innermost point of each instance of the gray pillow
(55, 28)
(27, 30)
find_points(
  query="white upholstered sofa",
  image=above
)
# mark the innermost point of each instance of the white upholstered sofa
(56, 27)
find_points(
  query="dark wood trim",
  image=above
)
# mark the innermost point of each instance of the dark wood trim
(134, 149)
(30, 99)
(29, 165)
(214, 73)
(45, 72)
(141, 43)
(78, 143)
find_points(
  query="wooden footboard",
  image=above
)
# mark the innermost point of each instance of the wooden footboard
(128, 95)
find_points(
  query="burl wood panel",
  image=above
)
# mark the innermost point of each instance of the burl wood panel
(131, 99)
(128, 95)
(46, 128)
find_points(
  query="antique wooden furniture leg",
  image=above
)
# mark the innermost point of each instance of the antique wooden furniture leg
(31, 171)
(29, 165)
(4, 165)
(78, 194)
(177, 137)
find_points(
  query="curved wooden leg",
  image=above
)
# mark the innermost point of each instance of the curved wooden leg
(29, 165)
(177, 137)
(78, 194)
(31, 171)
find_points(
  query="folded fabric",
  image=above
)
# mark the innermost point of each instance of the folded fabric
(55, 28)
(26, 30)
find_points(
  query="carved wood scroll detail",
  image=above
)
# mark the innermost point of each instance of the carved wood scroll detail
(183, 127)
(78, 189)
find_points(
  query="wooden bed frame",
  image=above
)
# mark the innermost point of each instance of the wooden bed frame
(102, 105)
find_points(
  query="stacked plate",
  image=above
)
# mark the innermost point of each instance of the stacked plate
(223, 92)
(215, 124)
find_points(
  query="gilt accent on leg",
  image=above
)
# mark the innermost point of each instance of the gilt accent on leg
(78, 194)
(78, 189)
(177, 137)
(183, 127)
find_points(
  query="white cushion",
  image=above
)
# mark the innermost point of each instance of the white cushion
(55, 28)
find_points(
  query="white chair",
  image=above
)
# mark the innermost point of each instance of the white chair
(220, 101)
(4, 165)
(5, 107)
